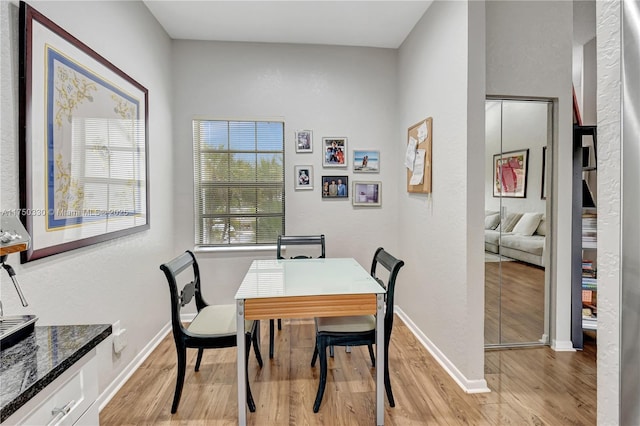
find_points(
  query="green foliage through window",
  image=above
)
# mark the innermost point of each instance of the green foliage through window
(239, 182)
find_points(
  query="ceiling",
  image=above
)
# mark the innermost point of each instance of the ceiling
(346, 23)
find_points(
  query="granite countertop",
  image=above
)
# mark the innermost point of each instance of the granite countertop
(29, 366)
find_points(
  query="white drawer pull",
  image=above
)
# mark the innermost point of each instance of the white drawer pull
(61, 412)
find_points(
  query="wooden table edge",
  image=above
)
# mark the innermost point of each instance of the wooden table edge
(337, 305)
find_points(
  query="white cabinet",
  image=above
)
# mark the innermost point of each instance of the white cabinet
(68, 400)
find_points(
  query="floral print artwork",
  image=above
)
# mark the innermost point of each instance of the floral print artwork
(95, 147)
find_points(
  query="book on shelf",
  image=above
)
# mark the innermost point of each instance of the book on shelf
(587, 269)
(588, 296)
(590, 323)
(590, 281)
(589, 228)
(589, 318)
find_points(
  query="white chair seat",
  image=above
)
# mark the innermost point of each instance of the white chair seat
(216, 320)
(346, 324)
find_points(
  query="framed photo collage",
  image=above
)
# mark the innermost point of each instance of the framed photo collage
(338, 186)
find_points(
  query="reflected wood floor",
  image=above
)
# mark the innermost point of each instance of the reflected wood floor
(514, 302)
(528, 386)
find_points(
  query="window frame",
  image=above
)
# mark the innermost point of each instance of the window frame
(227, 243)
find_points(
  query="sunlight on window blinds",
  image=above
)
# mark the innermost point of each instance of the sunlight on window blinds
(239, 181)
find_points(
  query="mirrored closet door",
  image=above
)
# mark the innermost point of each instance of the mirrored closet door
(518, 135)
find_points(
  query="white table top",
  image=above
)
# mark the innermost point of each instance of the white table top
(306, 277)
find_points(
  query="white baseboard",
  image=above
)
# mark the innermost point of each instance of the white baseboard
(469, 386)
(118, 382)
(562, 346)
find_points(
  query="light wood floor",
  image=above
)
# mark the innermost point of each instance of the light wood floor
(528, 387)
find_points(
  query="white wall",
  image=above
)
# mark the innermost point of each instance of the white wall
(609, 209)
(439, 68)
(119, 279)
(334, 91)
(529, 54)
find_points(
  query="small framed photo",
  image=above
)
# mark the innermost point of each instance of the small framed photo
(367, 194)
(304, 177)
(335, 152)
(366, 161)
(335, 187)
(304, 141)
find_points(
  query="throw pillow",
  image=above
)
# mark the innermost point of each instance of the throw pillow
(508, 224)
(527, 224)
(491, 221)
(542, 228)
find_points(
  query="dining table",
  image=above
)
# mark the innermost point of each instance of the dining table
(308, 288)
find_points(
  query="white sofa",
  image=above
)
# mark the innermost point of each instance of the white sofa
(520, 236)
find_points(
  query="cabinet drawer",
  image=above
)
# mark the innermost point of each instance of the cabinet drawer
(67, 399)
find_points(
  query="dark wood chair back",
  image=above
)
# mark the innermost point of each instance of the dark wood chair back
(392, 266)
(300, 240)
(181, 298)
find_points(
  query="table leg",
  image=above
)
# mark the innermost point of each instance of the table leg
(242, 380)
(380, 360)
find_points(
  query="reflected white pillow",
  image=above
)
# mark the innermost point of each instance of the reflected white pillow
(542, 228)
(507, 224)
(491, 221)
(527, 224)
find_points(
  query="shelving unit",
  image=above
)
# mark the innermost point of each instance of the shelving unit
(589, 270)
(584, 281)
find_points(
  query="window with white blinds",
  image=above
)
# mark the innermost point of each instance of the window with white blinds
(239, 182)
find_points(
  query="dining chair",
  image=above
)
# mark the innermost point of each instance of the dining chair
(214, 326)
(284, 241)
(359, 330)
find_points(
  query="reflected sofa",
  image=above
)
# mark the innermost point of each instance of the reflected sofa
(519, 236)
